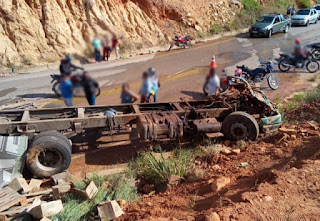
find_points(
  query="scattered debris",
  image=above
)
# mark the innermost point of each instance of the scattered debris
(9, 198)
(65, 176)
(34, 185)
(242, 165)
(212, 217)
(236, 151)
(109, 210)
(90, 191)
(19, 184)
(174, 180)
(220, 183)
(58, 190)
(47, 209)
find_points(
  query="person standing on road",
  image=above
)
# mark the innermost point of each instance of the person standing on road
(293, 10)
(127, 96)
(106, 48)
(214, 82)
(115, 45)
(90, 87)
(155, 84)
(145, 88)
(288, 11)
(67, 90)
(97, 47)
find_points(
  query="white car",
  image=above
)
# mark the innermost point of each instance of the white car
(305, 17)
(317, 7)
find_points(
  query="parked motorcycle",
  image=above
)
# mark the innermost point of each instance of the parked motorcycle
(258, 75)
(288, 61)
(181, 42)
(315, 50)
(76, 82)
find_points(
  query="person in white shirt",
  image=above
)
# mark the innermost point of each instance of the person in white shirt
(214, 82)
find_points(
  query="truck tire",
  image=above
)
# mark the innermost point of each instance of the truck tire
(56, 135)
(240, 126)
(269, 35)
(48, 156)
(286, 29)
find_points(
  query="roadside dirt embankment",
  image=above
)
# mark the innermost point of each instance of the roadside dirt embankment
(41, 31)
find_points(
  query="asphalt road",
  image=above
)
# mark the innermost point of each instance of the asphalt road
(181, 71)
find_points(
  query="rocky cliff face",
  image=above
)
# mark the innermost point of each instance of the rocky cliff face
(42, 31)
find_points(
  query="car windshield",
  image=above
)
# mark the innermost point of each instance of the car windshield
(317, 7)
(303, 12)
(265, 19)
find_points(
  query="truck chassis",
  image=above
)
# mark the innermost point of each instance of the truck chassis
(240, 113)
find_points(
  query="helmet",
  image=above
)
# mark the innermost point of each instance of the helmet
(69, 57)
(151, 71)
(270, 65)
(298, 41)
(238, 72)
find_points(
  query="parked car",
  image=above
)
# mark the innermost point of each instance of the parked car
(270, 24)
(305, 17)
(317, 7)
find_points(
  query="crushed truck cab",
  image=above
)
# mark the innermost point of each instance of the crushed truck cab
(240, 113)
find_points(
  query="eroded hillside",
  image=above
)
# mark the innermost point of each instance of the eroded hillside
(41, 31)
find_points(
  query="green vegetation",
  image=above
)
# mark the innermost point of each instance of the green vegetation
(114, 187)
(250, 5)
(158, 171)
(313, 78)
(215, 29)
(305, 3)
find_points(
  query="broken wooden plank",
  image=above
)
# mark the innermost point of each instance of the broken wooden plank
(44, 192)
(90, 192)
(18, 184)
(9, 198)
(119, 169)
(34, 185)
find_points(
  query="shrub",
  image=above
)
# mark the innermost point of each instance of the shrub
(215, 29)
(250, 5)
(158, 171)
(305, 3)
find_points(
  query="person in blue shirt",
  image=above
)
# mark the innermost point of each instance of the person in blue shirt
(97, 47)
(67, 90)
(127, 96)
(145, 88)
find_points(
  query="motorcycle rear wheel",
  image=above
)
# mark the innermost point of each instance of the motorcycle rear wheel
(273, 82)
(57, 89)
(282, 66)
(312, 66)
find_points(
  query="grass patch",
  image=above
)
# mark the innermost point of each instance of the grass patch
(115, 187)
(313, 78)
(158, 171)
(215, 29)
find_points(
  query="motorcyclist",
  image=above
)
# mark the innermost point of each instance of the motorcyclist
(66, 67)
(299, 52)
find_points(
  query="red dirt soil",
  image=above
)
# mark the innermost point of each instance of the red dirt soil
(282, 182)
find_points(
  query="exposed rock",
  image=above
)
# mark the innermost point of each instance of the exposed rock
(212, 217)
(236, 151)
(226, 151)
(268, 198)
(38, 32)
(220, 183)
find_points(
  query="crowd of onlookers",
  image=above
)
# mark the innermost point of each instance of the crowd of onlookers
(106, 45)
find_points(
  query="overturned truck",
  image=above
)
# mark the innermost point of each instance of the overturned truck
(239, 113)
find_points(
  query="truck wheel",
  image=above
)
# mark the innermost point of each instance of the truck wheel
(240, 126)
(286, 29)
(48, 156)
(269, 33)
(55, 135)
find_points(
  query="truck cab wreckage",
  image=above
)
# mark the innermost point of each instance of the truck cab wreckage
(239, 113)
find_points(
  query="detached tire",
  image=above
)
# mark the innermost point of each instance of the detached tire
(48, 156)
(55, 135)
(240, 126)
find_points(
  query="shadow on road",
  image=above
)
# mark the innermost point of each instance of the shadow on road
(38, 95)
